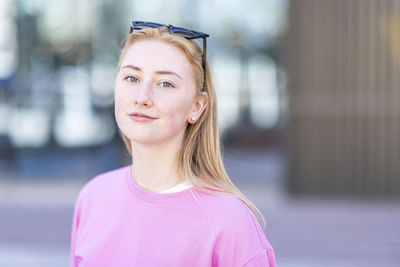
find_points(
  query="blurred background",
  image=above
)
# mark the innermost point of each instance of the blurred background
(309, 115)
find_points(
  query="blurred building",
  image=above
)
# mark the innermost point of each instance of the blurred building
(59, 61)
(343, 67)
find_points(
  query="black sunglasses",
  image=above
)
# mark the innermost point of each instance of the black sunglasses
(186, 33)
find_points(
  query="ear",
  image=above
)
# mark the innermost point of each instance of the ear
(199, 104)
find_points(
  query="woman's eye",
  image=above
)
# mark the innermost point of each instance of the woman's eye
(131, 79)
(166, 84)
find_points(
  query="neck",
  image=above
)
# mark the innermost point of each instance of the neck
(155, 167)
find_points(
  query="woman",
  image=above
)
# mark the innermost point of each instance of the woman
(175, 205)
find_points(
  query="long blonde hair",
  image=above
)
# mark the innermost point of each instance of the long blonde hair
(200, 157)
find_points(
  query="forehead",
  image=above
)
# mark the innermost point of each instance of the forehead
(155, 55)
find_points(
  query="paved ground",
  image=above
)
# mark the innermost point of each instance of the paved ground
(35, 218)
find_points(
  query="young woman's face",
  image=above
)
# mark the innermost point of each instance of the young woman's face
(155, 93)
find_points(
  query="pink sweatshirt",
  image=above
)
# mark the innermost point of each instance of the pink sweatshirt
(118, 223)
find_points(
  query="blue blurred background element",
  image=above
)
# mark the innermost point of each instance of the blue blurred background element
(308, 97)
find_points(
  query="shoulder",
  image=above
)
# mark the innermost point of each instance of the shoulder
(239, 238)
(224, 207)
(103, 183)
(229, 214)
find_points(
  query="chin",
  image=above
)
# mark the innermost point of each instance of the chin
(142, 138)
(150, 139)
(150, 136)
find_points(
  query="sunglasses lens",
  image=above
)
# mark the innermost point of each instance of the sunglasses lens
(140, 27)
(145, 25)
(183, 32)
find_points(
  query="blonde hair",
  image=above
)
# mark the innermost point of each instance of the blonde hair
(200, 157)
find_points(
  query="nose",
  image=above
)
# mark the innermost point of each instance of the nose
(143, 96)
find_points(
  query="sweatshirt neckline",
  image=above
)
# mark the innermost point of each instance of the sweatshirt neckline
(150, 196)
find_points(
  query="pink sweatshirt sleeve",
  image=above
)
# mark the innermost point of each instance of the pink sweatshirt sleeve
(241, 240)
(74, 260)
(265, 257)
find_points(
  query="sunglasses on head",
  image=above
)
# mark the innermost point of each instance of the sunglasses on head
(183, 32)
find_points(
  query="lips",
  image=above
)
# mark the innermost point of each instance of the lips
(142, 117)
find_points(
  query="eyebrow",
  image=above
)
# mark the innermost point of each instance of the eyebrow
(164, 72)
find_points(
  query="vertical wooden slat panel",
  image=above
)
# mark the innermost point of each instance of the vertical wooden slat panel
(379, 91)
(344, 84)
(383, 171)
(395, 49)
(351, 58)
(338, 90)
(371, 105)
(361, 89)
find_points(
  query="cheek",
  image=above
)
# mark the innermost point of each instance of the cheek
(119, 103)
(178, 111)
(121, 94)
